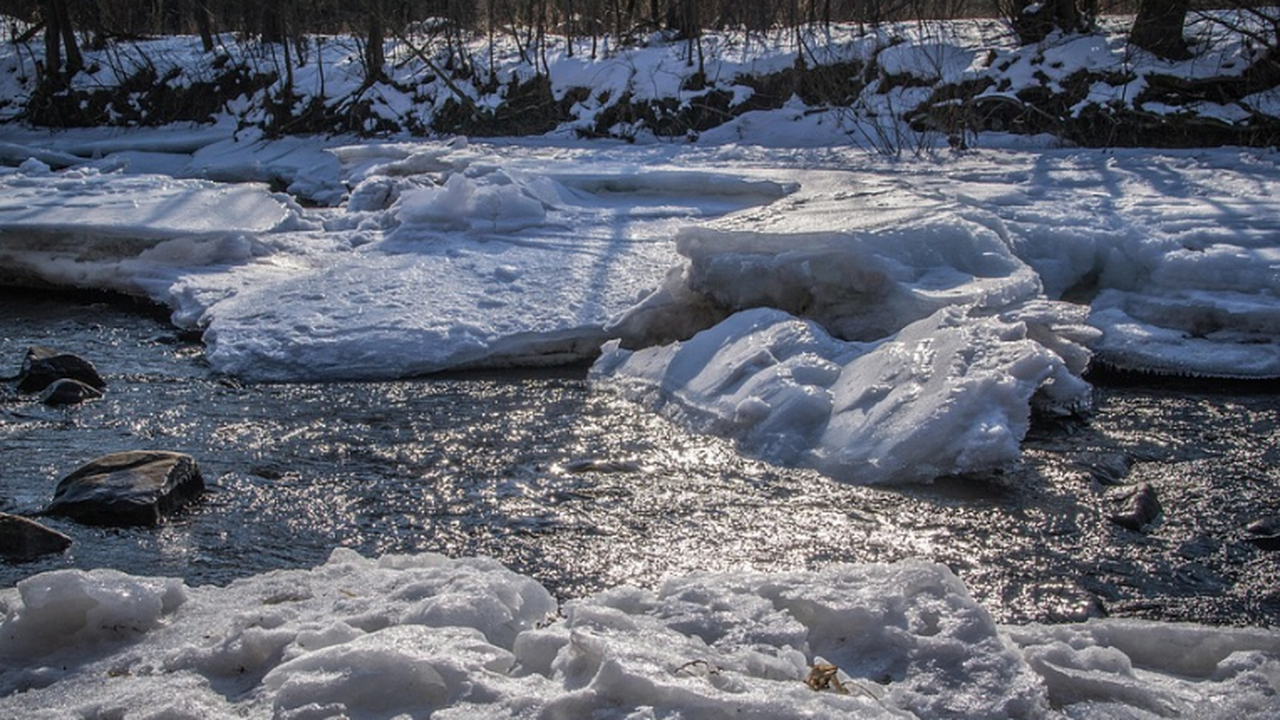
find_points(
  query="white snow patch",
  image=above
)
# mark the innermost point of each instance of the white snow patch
(422, 636)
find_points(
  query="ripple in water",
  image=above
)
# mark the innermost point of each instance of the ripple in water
(584, 491)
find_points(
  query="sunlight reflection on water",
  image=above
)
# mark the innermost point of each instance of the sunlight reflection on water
(584, 491)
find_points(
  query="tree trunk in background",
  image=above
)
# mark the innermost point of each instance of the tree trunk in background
(59, 35)
(375, 58)
(52, 41)
(1158, 28)
(272, 29)
(75, 61)
(1034, 21)
(204, 25)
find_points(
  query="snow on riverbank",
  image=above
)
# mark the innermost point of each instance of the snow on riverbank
(448, 255)
(425, 636)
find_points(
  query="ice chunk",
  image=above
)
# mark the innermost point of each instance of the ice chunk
(860, 284)
(75, 608)
(495, 204)
(405, 668)
(1166, 669)
(952, 393)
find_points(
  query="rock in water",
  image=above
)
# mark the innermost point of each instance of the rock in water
(23, 539)
(1139, 507)
(1264, 533)
(66, 391)
(42, 366)
(128, 488)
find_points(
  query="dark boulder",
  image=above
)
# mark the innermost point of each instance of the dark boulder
(42, 366)
(1138, 508)
(128, 488)
(23, 539)
(66, 391)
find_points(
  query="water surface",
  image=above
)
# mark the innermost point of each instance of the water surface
(584, 491)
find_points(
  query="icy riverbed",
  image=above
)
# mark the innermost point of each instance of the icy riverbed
(765, 304)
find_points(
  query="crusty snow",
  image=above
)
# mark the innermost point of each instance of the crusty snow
(425, 636)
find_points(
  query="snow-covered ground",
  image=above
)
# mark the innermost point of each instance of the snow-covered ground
(880, 319)
(425, 636)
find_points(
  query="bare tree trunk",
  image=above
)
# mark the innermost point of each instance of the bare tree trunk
(272, 23)
(375, 58)
(1158, 28)
(59, 35)
(204, 24)
(52, 41)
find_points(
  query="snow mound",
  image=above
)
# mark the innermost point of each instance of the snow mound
(951, 393)
(462, 203)
(885, 346)
(425, 636)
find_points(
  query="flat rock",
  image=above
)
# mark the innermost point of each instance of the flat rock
(42, 366)
(23, 538)
(128, 488)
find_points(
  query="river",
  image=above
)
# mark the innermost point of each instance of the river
(582, 490)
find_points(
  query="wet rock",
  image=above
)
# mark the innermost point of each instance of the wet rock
(601, 465)
(1138, 508)
(66, 391)
(128, 488)
(42, 366)
(24, 539)
(1107, 469)
(1264, 534)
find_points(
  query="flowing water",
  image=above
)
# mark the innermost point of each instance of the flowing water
(584, 491)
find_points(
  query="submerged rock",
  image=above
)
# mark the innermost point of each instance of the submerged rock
(128, 488)
(601, 465)
(23, 538)
(1264, 534)
(66, 391)
(43, 366)
(1139, 507)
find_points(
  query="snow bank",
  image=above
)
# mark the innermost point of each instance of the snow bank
(425, 636)
(1175, 253)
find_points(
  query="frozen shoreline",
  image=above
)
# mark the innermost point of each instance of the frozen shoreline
(419, 636)
(465, 255)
